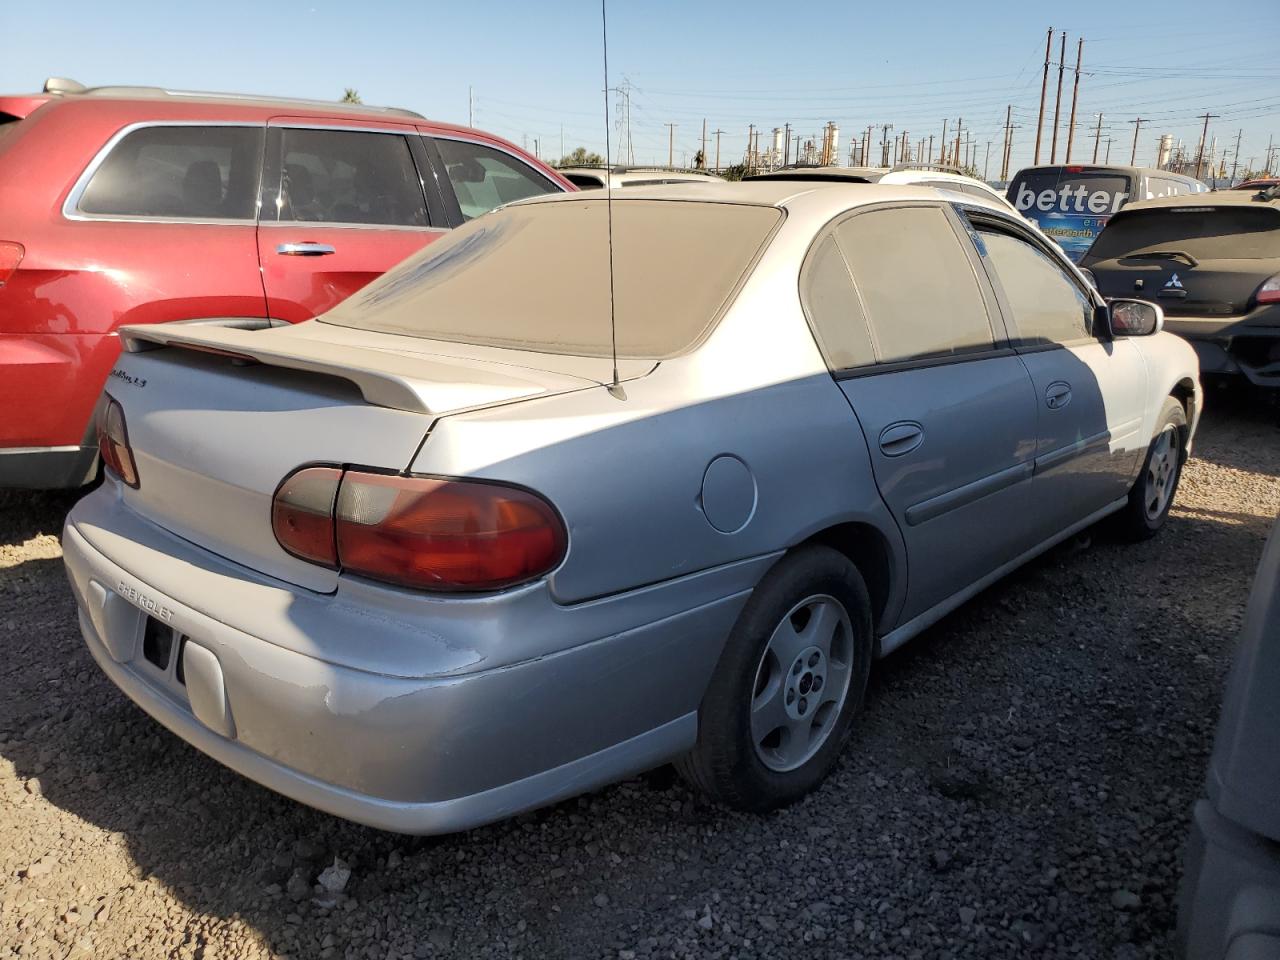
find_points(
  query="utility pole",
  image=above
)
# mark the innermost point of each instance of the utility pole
(1133, 156)
(1075, 92)
(1203, 136)
(717, 133)
(704, 143)
(1108, 160)
(786, 146)
(884, 144)
(1044, 86)
(751, 137)
(955, 157)
(671, 143)
(1057, 104)
(471, 106)
(930, 159)
(1008, 153)
(1004, 143)
(942, 144)
(1097, 136)
(536, 152)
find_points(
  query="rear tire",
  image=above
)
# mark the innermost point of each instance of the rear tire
(792, 677)
(1157, 484)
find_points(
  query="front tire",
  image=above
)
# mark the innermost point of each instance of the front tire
(1157, 484)
(792, 677)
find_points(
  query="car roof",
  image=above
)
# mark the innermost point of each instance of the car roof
(626, 174)
(796, 174)
(1105, 168)
(1220, 198)
(57, 89)
(818, 199)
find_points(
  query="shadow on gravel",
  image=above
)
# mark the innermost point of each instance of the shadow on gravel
(1032, 753)
(28, 513)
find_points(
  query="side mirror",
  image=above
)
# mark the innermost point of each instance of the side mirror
(1088, 275)
(1134, 318)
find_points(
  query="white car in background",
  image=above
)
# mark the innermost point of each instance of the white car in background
(916, 176)
(593, 178)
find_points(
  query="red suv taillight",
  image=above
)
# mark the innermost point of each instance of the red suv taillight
(423, 532)
(113, 441)
(11, 255)
(1269, 292)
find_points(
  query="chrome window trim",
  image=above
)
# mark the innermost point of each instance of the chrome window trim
(408, 129)
(70, 206)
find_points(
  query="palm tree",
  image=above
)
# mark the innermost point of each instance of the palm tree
(351, 95)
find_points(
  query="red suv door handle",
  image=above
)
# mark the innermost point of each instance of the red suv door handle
(305, 249)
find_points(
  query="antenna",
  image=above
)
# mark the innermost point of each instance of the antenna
(615, 388)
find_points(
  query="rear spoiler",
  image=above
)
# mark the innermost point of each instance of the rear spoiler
(19, 107)
(413, 382)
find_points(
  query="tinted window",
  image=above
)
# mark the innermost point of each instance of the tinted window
(206, 173)
(1048, 306)
(1206, 233)
(484, 178)
(536, 277)
(1072, 208)
(585, 181)
(833, 309)
(916, 283)
(343, 176)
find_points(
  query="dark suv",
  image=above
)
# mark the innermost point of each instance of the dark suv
(127, 205)
(1213, 263)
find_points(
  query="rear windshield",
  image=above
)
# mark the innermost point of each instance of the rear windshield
(8, 124)
(1206, 233)
(1056, 191)
(536, 277)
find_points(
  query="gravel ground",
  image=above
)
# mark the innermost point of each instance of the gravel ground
(1019, 787)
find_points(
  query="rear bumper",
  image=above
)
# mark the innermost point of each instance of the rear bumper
(1229, 904)
(421, 746)
(47, 468)
(1248, 345)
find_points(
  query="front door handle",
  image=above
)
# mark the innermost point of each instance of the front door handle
(1057, 395)
(305, 249)
(900, 438)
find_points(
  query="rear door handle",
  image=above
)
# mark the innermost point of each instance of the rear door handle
(901, 438)
(305, 249)
(1057, 395)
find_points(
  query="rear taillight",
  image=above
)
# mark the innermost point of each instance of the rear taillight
(11, 255)
(113, 441)
(302, 514)
(1269, 292)
(422, 532)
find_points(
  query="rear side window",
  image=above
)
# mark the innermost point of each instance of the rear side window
(179, 172)
(832, 307)
(1206, 233)
(345, 176)
(484, 178)
(1048, 306)
(916, 284)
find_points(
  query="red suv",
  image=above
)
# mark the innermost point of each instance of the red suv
(136, 205)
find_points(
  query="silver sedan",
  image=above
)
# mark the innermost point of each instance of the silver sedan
(509, 525)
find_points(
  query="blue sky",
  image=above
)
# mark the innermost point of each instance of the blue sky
(536, 67)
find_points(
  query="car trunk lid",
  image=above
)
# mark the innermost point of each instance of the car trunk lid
(218, 414)
(1194, 260)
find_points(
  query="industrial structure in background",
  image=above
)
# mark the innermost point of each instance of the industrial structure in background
(1068, 139)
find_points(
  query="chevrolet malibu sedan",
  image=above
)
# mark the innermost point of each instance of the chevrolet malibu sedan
(500, 529)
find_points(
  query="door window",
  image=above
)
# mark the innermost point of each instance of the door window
(916, 284)
(1048, 305)
(484, 178)
(179, 172)
(346, 176)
